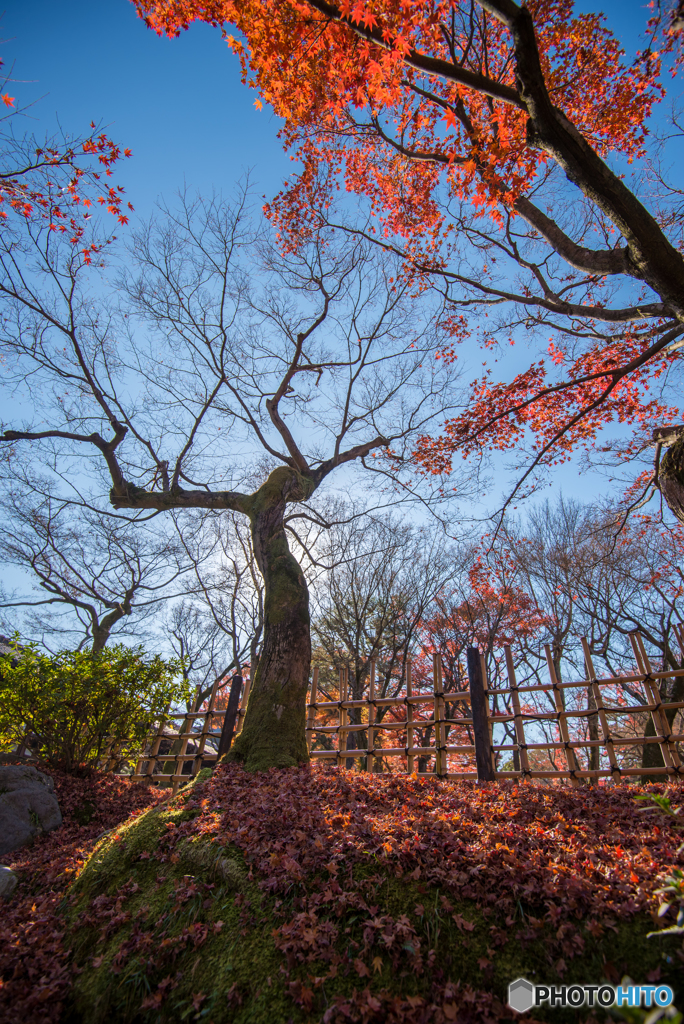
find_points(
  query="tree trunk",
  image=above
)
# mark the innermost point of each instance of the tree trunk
(671, 692)
(101, 628)
(273, 735)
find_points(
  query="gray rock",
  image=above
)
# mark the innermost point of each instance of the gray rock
(8, 881)
(28, 806)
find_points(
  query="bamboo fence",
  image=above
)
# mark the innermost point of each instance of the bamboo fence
(150, 760)
(398, 719)
(483, 719)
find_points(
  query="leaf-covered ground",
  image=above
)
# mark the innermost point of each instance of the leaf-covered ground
(323, 895)
(36, 969)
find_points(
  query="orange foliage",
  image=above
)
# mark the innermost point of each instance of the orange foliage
(416, 105)
(56, 184)
(332, 86)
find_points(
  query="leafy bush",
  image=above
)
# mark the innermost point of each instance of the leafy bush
(77, 707)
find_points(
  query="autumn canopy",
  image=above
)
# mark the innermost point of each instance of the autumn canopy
(494, 145)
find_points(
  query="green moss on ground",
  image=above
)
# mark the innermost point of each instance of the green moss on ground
(166, 930)
(229, 973)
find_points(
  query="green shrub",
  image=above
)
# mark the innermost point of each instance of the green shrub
(79, 706)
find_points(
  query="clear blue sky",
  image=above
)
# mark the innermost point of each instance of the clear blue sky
(178, 104)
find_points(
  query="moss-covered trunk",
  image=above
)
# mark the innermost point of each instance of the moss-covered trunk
(273, 734)
(671, 692)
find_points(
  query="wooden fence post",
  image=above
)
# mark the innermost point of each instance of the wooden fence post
(488, 713)
(154, 750)
(441, 765)
(409, 716)
(342, 718)
(601, 711)
(371, 718)
(202, 736)
(311, 712)
(668, 748)
(517, 714)
(183, 738)
(478, 698)
(570, 757)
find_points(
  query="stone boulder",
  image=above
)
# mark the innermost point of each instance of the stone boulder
(8, 881)
(28, 806)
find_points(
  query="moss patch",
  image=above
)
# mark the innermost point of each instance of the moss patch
(314, 895)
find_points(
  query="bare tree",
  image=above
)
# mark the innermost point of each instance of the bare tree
(602, 583)
(217, 628)
(89, 576)
(223, 348)
(383, 576)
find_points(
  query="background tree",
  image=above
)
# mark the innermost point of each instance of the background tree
(216, 630)
(383, 576)
(222, 345)
(553, 556)
(596, 582)
(493, 142)
(91, 576)
(485, 606)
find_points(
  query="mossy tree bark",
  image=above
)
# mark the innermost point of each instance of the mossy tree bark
(101, 628)
(671, 692)
(273, 734)
(671, 478)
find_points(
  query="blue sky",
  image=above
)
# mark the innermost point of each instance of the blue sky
(178, 104)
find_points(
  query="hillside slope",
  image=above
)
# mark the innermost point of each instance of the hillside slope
(324, 895)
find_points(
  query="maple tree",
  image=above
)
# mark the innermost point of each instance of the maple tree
(306, 361)
(59, 181)
(493, 143)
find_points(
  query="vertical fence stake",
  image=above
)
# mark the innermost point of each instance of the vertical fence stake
(439, 705)
(154, 750)
(570, 757)
(183, 738)
(668, 747)
(371, 718)
(488, 713)
(478, 698)
(601, 712)
(517, 714)
(311, 713)
(342, 718)
(410, 760)
(202, 739)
